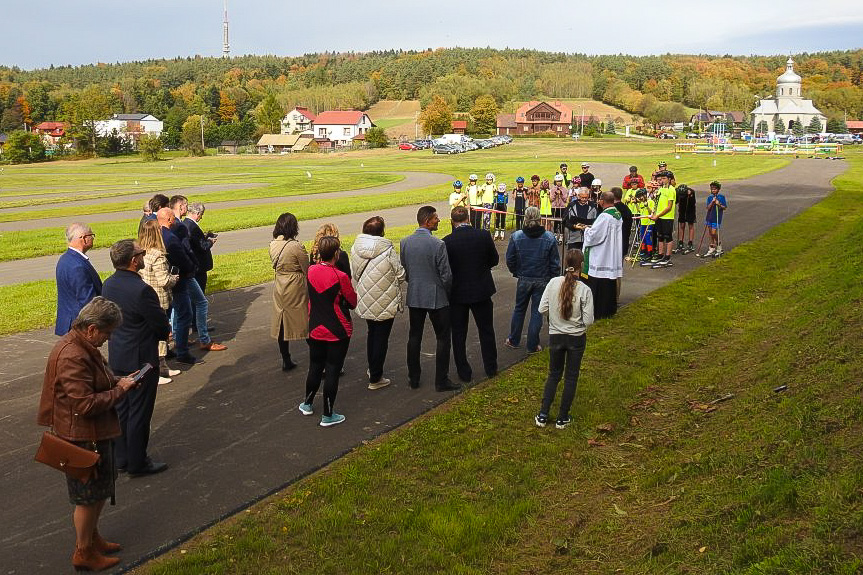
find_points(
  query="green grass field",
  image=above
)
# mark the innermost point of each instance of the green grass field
(685, 456)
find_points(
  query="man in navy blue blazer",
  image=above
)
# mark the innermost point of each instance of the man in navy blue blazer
(77, 280)
(472, 255)
(134, 343)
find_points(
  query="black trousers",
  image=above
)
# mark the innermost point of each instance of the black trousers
(377, 344)
(440, 320)
(135, 410)
(329, 355)
(604, 293)
(563, 350)
(476, 217)
(284, 346)
(483, 317)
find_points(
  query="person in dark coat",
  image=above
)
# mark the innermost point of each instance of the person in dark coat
(200, 243)
(472, 255)
(132, 345)
(179, 258)
(77, 279)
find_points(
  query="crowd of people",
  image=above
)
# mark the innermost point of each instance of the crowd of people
(157, 295)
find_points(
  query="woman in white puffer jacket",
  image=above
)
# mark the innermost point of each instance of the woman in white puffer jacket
(378, 274)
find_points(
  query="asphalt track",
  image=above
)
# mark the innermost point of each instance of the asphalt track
(230, 429)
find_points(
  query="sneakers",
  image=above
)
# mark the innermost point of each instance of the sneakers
(563, 422)
(164, 380)
(379, 384)
(508, 343)
(306, 408)
(541, 419)
(709, 253)
(718, 251)
(688, 249)
(330, 420)
(663, 263)
(678, 249)
(536, 350)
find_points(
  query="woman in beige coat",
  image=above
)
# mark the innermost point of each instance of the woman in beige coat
(290, 293)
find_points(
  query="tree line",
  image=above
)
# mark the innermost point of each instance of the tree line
(242, 97)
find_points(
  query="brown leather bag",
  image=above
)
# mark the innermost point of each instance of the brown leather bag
(67, 457)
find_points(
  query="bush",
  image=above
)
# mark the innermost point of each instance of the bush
(376, 138)
(150, 147)
(24, 147)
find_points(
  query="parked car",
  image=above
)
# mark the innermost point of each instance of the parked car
(444, 149)
(407, 146)
(666, 136)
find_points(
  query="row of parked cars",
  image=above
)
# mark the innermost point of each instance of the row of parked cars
(467, 144)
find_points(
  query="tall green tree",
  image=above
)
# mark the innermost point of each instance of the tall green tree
(269, 115)
(814, 126)
(150, 147)
(837, 126)
(24, 147)
(82, 110)
(484, 114)
(778, 125)
(436, 118)
(376, 138)
(797, 129)
(192, 135)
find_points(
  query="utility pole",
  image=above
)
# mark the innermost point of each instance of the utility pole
(203, 147)
(581, 133)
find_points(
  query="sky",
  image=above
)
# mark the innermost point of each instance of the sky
(37, 34)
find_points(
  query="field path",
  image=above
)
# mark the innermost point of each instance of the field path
(412, 180)
(229, 427)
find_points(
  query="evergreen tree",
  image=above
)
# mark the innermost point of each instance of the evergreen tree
(797, 129)
(610, 127)
(762, 127)
(150, 147)
(778, 125)
(837, 126)
(814, 126)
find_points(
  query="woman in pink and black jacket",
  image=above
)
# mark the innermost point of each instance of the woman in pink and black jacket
(331, 297)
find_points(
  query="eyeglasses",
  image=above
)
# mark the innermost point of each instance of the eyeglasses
(90, 235)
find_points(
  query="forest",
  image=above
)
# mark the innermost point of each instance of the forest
(242, 97)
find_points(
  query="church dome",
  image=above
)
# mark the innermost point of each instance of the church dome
(789, 76)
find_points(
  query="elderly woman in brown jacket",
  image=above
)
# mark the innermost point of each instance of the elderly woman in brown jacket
(78, 397)
(290, 293)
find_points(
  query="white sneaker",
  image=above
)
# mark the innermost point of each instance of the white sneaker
(164, 380)
(710, 252)
(379, 384)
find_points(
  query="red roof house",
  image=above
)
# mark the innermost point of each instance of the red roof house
(341, 126)
(459, 126)
(535, 117)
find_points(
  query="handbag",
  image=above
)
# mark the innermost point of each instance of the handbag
(67, 457)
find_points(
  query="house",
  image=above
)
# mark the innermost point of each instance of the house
(459, 126)
(506, 125)
(130, 126)
(300, 119)
(51, 132)
(228, 147)
(282, 143)
(537, 117)
(3, 138)
(711, 116)
(341, 126)
(854, 126)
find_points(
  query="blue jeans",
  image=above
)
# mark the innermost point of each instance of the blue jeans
(181, 316)
(202, 308)
(528, 291)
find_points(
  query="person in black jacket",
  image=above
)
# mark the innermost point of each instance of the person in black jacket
(472, 255)
(200, 243)
(135, 343)
(179, 258)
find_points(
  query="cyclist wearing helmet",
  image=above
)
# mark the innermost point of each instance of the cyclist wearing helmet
(663, 167)
(457, 197)
(585, 177)
(501, 199)
(559, 196)
(520, 195)
(475, 201)
(567, 179)
(487, 192)
(545, 204)
(533, 193)
(633, 180)
(685, 215)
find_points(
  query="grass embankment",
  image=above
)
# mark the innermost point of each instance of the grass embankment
(33, 305)
(279, 187)
(651, 477)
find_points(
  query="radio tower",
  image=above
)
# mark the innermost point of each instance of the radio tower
(226, 46)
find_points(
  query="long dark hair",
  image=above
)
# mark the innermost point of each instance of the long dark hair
(286, 226)
(574, 261)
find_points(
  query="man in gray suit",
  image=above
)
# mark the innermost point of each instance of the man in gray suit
(429, 278)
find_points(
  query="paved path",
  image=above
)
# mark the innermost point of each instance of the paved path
(42, 268)
(230, 428)
(411, 181)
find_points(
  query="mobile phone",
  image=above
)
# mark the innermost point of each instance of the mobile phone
(142, 372)
(173, 271)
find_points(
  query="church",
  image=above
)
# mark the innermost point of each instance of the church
(788, 105)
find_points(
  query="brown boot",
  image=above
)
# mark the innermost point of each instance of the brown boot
(103, 546)
(88, 559)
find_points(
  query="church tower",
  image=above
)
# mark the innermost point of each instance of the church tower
(789, 84)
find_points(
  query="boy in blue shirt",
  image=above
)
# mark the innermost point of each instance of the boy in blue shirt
(501, 199)
(716, 206)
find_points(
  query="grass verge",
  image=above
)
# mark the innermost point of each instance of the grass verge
(653, 476)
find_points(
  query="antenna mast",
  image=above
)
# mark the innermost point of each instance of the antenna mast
(226, 46)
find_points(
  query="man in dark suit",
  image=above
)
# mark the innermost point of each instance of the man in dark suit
(472, 255)
(134, 343)
(429, 280)
(199, 242)
(77, 280)
(179, 258)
